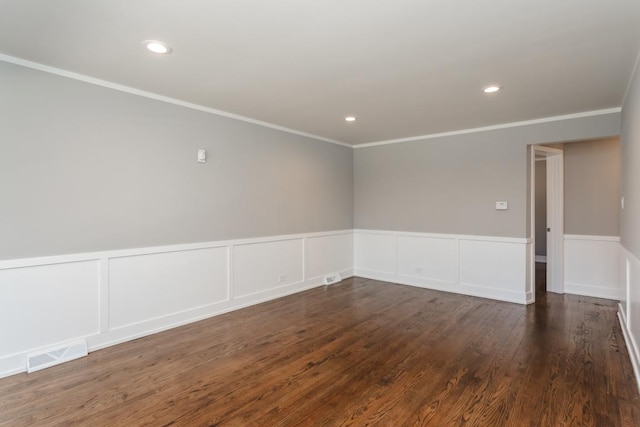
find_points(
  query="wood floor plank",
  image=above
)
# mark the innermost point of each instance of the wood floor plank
(358, 353)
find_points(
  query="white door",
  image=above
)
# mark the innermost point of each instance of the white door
(555, 217)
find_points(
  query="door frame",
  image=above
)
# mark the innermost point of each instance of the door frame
(555, 217)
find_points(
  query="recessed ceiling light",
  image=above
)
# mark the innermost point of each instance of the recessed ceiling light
(156, 46)
(350, 118)
(492, 89)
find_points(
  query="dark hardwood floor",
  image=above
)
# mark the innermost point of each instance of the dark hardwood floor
(541, 280)
(361, 352)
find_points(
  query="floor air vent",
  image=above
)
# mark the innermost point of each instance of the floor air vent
(56, 355)
(330, 280)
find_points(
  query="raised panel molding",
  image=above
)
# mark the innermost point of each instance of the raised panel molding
(628, 307)
(427, 258)
(376, 252)
(44, 305)
(48, 304)
(489, 267)
(115, 296)
(259, 267)
(592, 266)
(498, 267)
(143, 287)
(328, 254)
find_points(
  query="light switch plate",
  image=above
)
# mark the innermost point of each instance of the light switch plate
(202, 156)
(502, 206)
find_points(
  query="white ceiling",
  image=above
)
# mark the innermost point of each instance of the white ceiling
(403, 67)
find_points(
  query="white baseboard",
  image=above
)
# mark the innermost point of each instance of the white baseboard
(489, 267)
(116, 296)
(592, 291)
(632, 347)
(170, 321)
(460, 288)
(628, 311)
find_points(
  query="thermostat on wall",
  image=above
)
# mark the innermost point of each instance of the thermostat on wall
(502, 206)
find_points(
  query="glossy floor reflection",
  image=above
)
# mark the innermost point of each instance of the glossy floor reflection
(361, 352)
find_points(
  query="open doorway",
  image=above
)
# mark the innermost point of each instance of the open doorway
(540, 241)
(549, 248)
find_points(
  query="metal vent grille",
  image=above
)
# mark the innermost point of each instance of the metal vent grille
(330, 280)
(56, 355)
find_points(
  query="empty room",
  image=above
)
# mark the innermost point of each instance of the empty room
(319, 213)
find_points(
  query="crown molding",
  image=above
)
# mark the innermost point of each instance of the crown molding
(157, 97)
(198, 107)
(493, 127)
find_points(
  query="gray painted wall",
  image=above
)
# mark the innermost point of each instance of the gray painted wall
(86, 168)
(592, 187)
(630, 215)
(450, 184)
(541, 208)
(630, 145)
(442, 187)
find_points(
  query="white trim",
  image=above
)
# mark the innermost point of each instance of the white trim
(531, 254)
(631, 267)
(215, 286)
(630, 254)
(162, 98)
(104, 294)
(592, 266)
(630, 314)
(118, 253)
(592, 237)
(443, 286)
(541, 258)
(445, 262)
(157, 97)
(555, 217)
(632, 347)
(152, 326)
(555, 220)
(494, 127)
(446, 236)
(548, 151)
(591, 291)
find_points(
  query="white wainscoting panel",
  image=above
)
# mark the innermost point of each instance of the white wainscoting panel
(592, 266)
(44, 305)
(261, 267)
(429, 258)
(629, 308)
(325, 255)
(144, 287)
(498, 268)
(376, 252)
(490, 267)
(114, 296)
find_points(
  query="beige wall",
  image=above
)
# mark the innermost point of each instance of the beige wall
(592, 187)
(86, 168)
